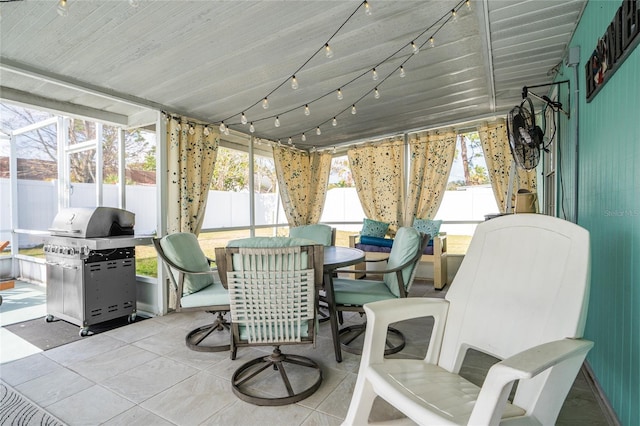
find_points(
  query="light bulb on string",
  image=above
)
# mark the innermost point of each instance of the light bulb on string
(415, 47)
(192, 130)
(402, 73)
(290, 141)
(432, 41)
(178, 127)
(454, 15)
(306, 110)
(63, 8)
(265, 103)
(353, 109)
(468, 4)
(303, 137)
(367, 8)
(328, 51)
(374, 74)
(226, 131)
(334, 122)
(251, 128)
(243, 118)
(376, 94)
(318, 131)
(205, 131)
(277, 122)
(334, 150)
(222, 127)
(339, 94)
(294, 83)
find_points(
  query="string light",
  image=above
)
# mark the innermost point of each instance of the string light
(303, 137)
(226, 131)
(222, 127)
(192, 130)
(63, 8)
(205, 131)
(292, 79)
(290, 141)
(468, 4)
(454, 15)
(252, 128)
(318, 132)
(328, 51)
(367, 8)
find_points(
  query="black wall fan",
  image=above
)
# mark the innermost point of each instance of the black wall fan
(525, 137)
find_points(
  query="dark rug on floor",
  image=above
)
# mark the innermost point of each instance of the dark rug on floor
(16, 409)
(48, 335)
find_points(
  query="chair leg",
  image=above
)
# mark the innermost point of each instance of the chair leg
(395, 341)
(196, 337)
(243, 376)
(361, 403)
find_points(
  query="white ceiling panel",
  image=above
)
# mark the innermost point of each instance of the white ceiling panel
(212, 60)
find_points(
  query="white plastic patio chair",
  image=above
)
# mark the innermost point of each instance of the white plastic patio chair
(520, 295)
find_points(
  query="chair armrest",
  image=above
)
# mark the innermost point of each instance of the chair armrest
(525, 365)
(381, 314)
(352, 240)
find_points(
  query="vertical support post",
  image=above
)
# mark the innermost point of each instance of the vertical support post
(99, 166)
(252, 194)
(13, 194)
(122, 167)
(62, 132)
(162, 293)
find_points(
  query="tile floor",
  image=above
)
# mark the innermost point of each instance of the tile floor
(143, 374)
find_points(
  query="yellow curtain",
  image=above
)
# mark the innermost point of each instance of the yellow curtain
(191, 156)
(497, 154)
(430, 161)
(302, 179)
(378, 171)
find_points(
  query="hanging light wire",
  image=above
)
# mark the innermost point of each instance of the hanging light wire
(322, 47)
(443, 20)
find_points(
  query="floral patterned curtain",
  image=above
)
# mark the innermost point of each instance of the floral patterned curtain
(302, 179)
(497, 155)
(378, 171)
(430, 161)
(191, 156)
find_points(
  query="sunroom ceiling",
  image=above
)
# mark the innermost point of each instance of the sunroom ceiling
(212, 60)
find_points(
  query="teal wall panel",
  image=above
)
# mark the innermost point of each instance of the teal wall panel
(609, 207)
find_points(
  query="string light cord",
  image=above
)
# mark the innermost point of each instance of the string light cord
(444, 19)
(301, 66)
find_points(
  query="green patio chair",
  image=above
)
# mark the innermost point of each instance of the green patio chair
(197, 288)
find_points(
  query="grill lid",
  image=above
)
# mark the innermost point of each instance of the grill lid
(92, 222)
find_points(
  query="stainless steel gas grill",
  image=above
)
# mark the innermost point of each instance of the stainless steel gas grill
(91, 269)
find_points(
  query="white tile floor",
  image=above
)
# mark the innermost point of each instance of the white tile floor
(144, 374)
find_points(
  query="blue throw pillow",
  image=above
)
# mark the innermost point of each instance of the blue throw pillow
(376, 241)
(374, 228)
(427, 226)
